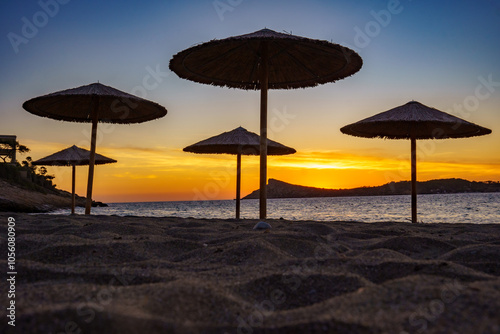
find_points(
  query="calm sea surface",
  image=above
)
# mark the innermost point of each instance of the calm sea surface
(477, 208)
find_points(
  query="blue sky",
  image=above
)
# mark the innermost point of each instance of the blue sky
(431, 51)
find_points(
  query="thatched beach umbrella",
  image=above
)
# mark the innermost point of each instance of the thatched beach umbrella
(93, 103)
(265, 60)
(414, 121)
(72, 156)
(239, 142)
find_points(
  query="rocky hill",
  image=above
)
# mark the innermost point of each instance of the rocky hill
(280, 189)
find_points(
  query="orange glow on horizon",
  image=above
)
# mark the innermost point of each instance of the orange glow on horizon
(166, 174)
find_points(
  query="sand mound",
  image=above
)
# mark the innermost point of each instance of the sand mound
(415, 247)
(479, 257)
(306, 290)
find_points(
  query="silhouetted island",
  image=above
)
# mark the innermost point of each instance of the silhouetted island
(280, 189)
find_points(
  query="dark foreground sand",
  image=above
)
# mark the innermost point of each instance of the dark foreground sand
(168, 275)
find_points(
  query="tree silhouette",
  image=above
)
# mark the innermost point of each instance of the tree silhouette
(8, 148)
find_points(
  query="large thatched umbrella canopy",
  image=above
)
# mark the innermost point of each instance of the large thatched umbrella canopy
(108, 104)
(265, 60)
(239, 142)
(72, 156)
(413, 121)
(93, 103)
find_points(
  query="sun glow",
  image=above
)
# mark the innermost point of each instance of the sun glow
(162, 173)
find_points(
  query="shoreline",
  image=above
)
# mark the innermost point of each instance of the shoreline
(255, 220)
(457, 208)
(180, 275)
(326, 197)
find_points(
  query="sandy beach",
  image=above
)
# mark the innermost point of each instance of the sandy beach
(108, 274)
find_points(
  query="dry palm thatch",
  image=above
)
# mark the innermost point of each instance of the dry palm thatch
(111, 105)
(265, 60)
(72, 156)
(240, 142)
(413, 121)
(293, 61)
(93, 103)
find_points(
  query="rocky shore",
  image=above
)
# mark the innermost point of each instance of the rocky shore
(15, 198)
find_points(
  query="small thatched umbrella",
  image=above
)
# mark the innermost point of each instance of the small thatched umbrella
(265, 60)
(238, 141)
(72, 156)
(93, 103)
(414, 121)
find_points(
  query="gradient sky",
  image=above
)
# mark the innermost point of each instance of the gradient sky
(445, 54)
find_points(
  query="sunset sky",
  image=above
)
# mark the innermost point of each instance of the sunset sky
(444, 54)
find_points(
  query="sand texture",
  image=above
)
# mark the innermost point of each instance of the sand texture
(108, 274)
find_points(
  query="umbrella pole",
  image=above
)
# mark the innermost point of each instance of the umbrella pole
(73, 190)
(95, 118)
(264, 81)
(238, 184)
(413, 180)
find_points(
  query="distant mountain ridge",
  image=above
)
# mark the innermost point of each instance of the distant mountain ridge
(280, 189)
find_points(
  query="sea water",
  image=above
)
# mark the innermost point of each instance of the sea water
(476, 208)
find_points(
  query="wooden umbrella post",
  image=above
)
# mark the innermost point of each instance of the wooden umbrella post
(238, 184)
(73, 190)
(264, 81)
(95, 118)
(413, 180)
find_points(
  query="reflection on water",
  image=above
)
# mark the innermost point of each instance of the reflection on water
(442, 208)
